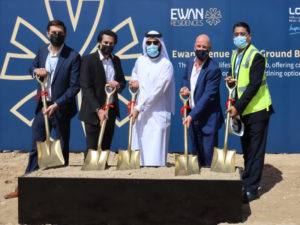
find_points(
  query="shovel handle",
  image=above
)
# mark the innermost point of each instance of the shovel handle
(42, 83)
(38, 78)
(185, 101)
(102, 129)
(133, 93)
(230, 89)
(109, 92)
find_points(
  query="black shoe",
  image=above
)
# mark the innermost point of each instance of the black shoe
(249, 196)
(204, 166)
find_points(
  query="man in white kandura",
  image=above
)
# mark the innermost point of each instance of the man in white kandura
(153, 75)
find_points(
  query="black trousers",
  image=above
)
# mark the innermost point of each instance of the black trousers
(254, 146)
(93, 131)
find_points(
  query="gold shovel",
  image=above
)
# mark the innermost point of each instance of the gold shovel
(186, 164)
(96, 159)
(223, 159)
(49, 152)
(129, 159)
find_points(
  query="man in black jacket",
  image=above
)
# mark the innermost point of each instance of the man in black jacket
(253, 104)
(97, 70)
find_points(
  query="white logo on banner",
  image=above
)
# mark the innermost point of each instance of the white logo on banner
(194, 16)
(213, 16)
(294, 20)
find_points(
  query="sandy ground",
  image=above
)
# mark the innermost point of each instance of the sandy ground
(280, 187)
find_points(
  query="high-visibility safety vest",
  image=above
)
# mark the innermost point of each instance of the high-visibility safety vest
(262, 99)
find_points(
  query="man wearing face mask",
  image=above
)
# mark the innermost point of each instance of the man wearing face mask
(201, 81)
(253, 104)
(97, 70)
(153, 75)
(62, 65)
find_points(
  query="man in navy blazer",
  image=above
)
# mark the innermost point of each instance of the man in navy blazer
(63, 65)
(201, 81)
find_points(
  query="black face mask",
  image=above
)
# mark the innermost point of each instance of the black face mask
(107, 50)
(201, 54)
(57, 39)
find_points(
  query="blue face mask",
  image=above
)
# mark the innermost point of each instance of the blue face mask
(152, 51)
(240, 42)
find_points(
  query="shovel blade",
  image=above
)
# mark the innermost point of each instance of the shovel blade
(230, 161)
(186, 165)
(123, 160)
(223, 163)
(135, 159)
(217, 160)
(102, 162)
(128, 161)
(95, 160)
(49, 154)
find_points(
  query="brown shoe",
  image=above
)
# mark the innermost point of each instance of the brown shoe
(14, 194)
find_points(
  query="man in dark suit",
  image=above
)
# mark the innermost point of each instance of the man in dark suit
(97, 70)
(63, 66)
(253, 104)
(201, 81)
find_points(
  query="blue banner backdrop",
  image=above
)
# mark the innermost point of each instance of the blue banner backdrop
(275, 28)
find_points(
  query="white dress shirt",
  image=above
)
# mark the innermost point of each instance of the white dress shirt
(109, 69)
(50, 65)
(193, 82)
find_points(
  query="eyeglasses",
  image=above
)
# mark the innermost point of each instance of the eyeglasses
(152, 42)
(243, 34)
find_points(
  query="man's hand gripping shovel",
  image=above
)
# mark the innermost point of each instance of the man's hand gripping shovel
(49, 152)
(97, 159)
(186, 164)
(223, 159)
(129, 159)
